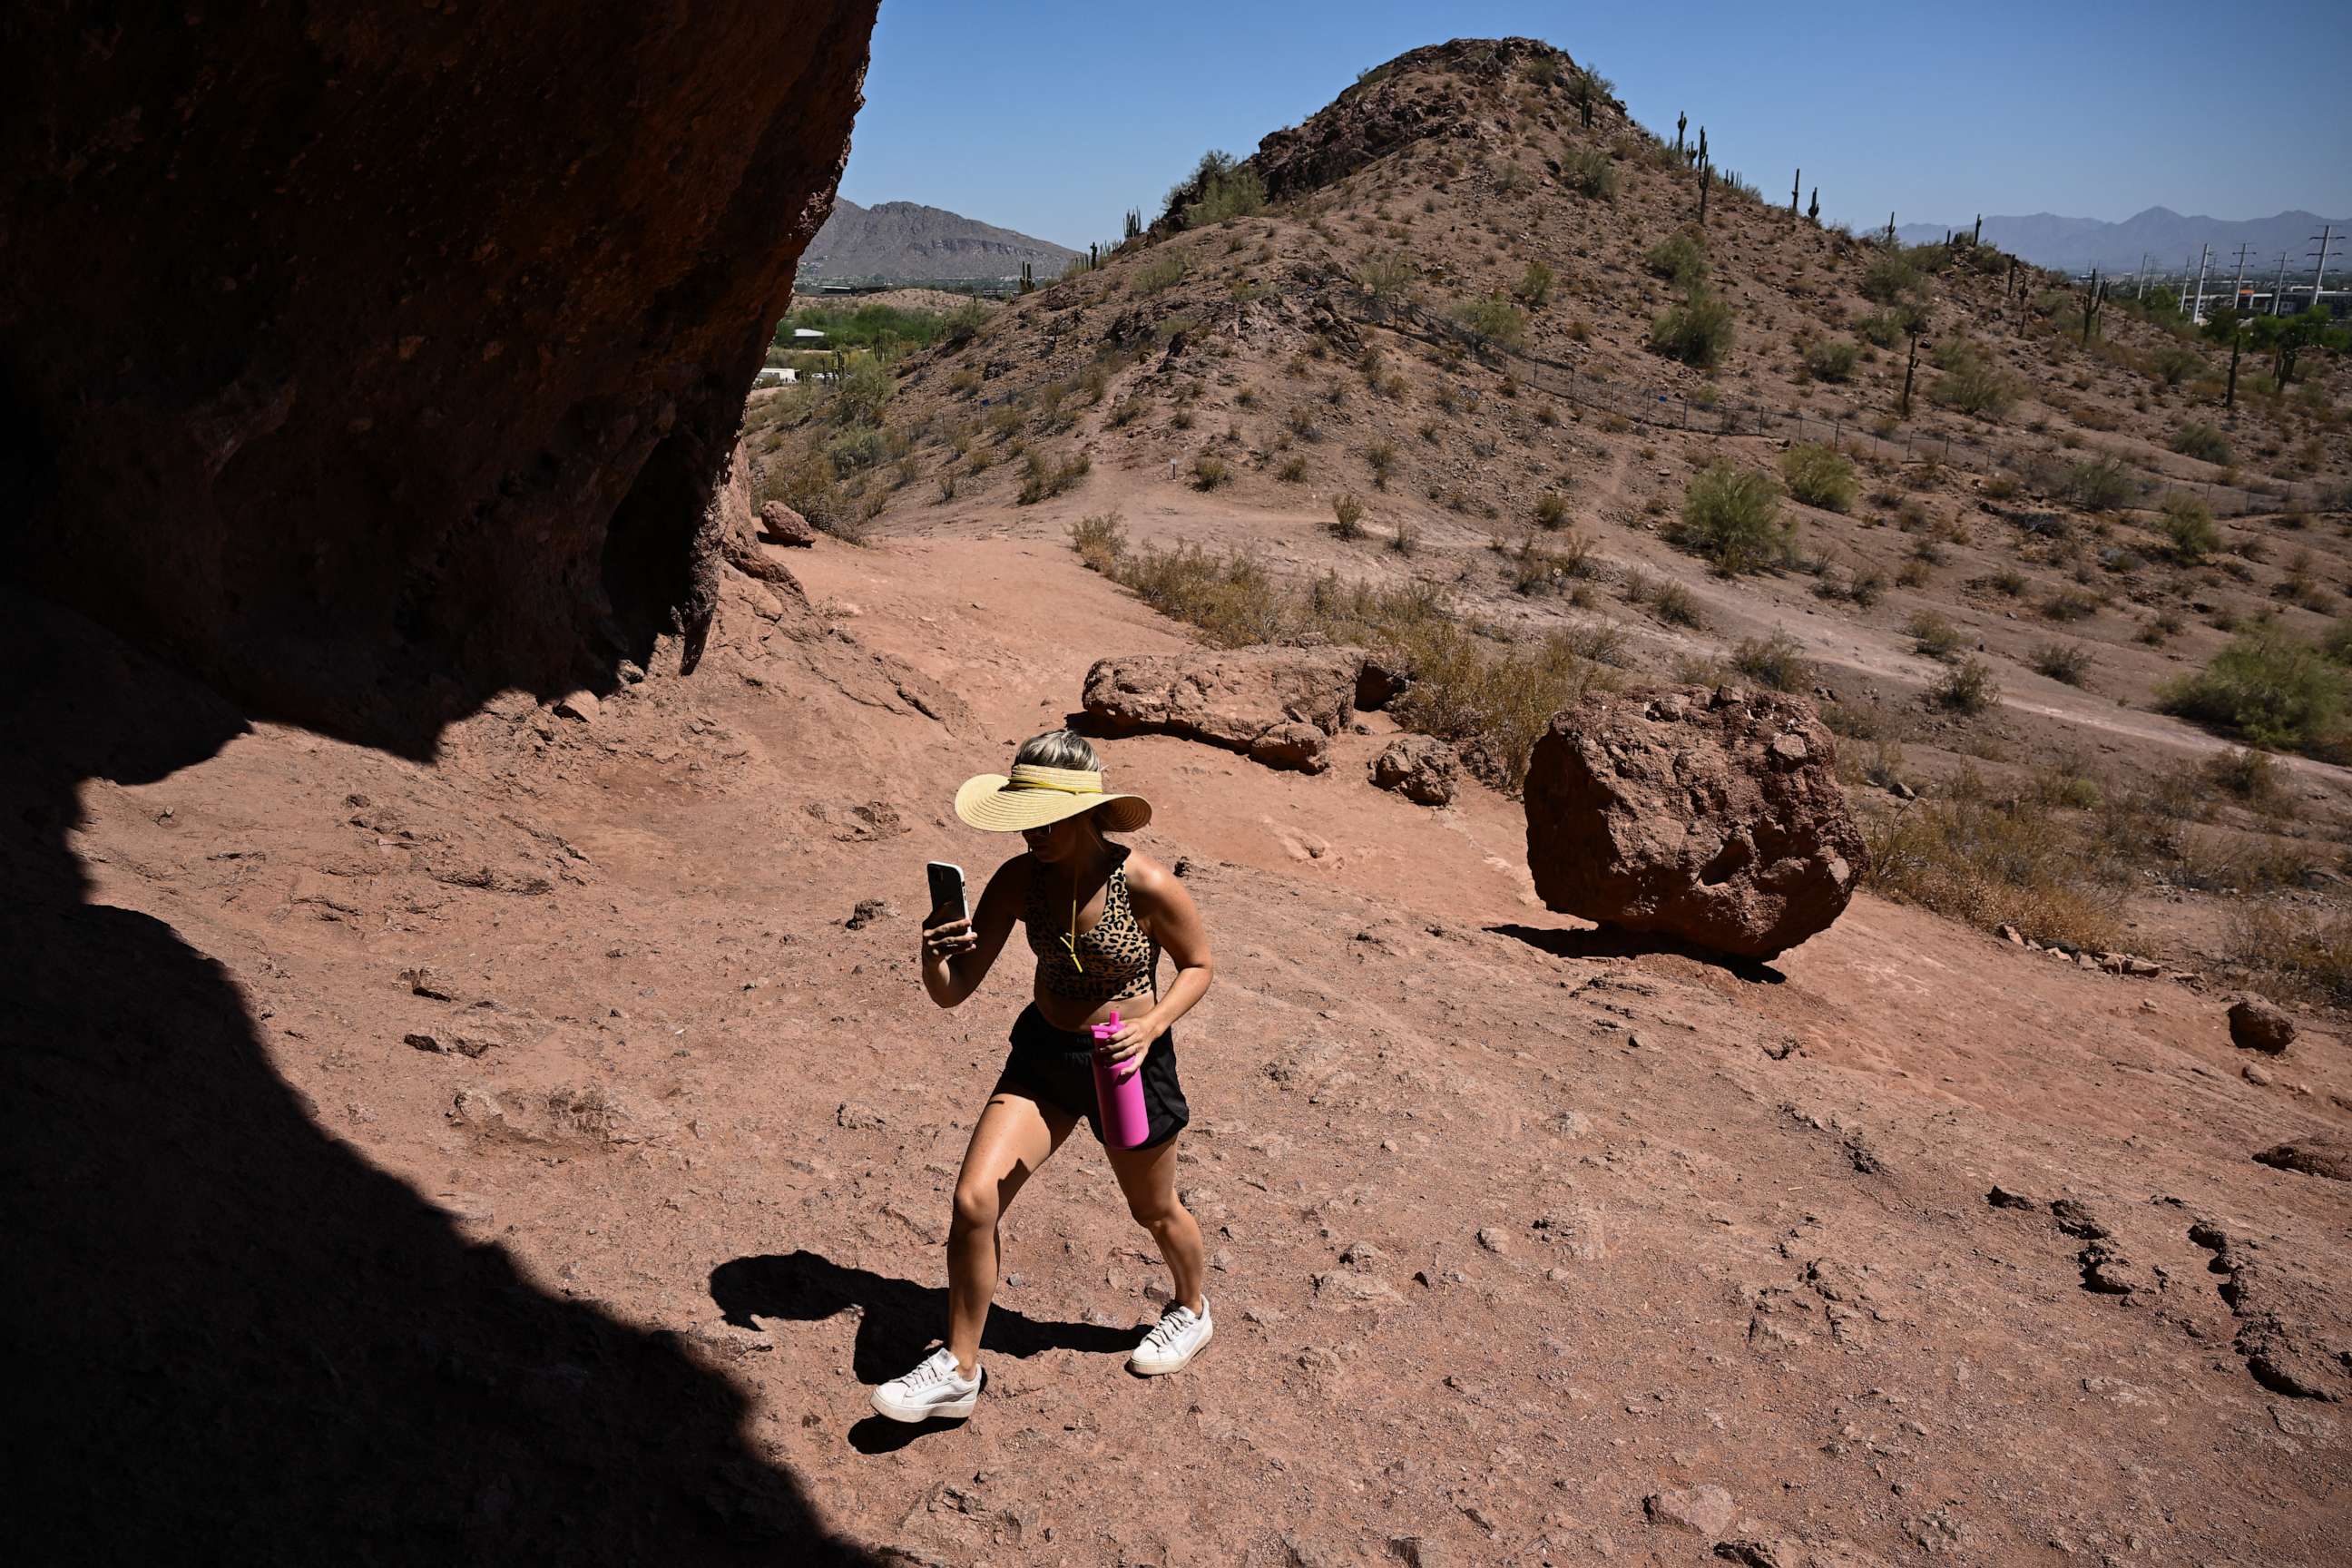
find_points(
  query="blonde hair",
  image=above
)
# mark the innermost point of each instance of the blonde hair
(1058, 749)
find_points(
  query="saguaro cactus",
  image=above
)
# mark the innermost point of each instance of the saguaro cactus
(1706, 178)
(1794, 186)
(1813, 209)
(1682, 123)
(1977, 235)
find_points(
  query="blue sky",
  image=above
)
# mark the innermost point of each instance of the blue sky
(1052, 117)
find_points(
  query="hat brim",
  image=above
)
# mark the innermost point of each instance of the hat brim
(987, 804)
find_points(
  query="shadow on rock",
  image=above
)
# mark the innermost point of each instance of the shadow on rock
(1609, 942)
(898, 1318)
(239, 1340)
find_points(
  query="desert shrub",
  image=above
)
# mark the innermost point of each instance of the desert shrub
(1882, 329)
(1208, 471)
(2101, 484)
(1046, 476)
(1161, 272)
(2174, 363)
(2310, 960)
(1887, 278)
(1934, 636)
(1387, 277)
(1300, 422)
(1680, 258)
(859, 446)
(1226, 194)
(1830, 358)
(1406, 540)
(1099, 540)
(2253, 776)
(2070, 604)
(1551, 510)
(2061, 661)
(1346, 516)
(1971, 383)
(1380, 456)
(1967, 688)
(1291, 471)
(1535, 285)
(1818, 476)
(1676, 604)
(1698, 332)
(1493, 321)
(2202, 442)
(1731, 515)
(1588, 172)
(2267, 687)
(1777, 661)
(2190, 531)
(861, 393)
(1982, 861)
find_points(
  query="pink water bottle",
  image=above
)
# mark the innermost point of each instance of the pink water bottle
(1126, 1122)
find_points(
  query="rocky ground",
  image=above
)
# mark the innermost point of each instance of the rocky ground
(1529, 1245)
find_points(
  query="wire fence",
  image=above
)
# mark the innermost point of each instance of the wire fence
(2022, 453)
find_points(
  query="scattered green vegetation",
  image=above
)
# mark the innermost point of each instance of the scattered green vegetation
(1971, 382)
(1830, 358)
(2189, 529)
(1161, 272)
(2269, 688)
(1731, 515)
(1588, 172)
(2202, 442)
(1934, 636)
(1046, 476)
(1817, 476)
(1535, 286)
(1493, 321)
(1986, 862)
(2065, 662)
(1679, 258)
(1208, 471)
(1967, 688)
(1700, 332)
(1777, 661)
(1346, 516)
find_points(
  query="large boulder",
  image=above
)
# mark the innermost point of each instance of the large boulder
(1279, 705)
(1714, 817)
(370, 358)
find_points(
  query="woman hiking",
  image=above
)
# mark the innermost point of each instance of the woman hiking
(1098, 915)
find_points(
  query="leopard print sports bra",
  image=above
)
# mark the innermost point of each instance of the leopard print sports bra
(1111, 960)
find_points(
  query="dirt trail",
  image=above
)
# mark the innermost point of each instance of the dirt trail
(1513, 1227)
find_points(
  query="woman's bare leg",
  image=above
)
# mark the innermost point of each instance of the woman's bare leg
(1147, 1177)
(1012, 1138)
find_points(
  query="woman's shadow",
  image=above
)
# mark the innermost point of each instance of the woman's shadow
(897, 1318)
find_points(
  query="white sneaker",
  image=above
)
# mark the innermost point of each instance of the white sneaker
(933, 1389)
(1173, 1341)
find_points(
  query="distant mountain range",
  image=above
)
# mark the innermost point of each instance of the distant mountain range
(2072, 244)
(907, 242)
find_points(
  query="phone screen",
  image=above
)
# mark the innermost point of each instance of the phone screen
(947, 888)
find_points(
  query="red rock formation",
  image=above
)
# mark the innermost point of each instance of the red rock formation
(369, 357)
(1712, 816)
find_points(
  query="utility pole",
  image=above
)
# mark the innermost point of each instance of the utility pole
(2204, 256)
(2238, 287)
(2278, 289)
(2319, 274)
(2184, 285)
(2142, 292)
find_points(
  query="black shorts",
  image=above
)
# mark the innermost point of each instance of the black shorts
(1057, 1067)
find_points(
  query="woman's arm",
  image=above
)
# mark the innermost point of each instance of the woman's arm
(1167, 914)
(957, 954)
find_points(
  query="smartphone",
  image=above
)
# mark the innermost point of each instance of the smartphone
(947, 888)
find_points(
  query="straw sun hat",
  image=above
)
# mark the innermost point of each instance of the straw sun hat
(1031, 797)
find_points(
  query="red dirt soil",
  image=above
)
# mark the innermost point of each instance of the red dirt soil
(1514, 1225)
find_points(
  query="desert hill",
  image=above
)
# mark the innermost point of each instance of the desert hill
(1423, 368)
(907, 240)
(2070, 243)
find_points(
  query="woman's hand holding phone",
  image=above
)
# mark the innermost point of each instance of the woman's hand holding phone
(947, 934)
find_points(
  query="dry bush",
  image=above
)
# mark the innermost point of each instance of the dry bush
(1992, 863)
(1967, 688)
(1208, 471)
(1777, 661)
(1817, 476)
(1346, 516)
(2064, 662)
(1934, 636)
(1045, 476)
(1100, 542)
(1731, 515)
(2304, 959)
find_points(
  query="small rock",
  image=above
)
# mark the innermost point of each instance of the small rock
(1421, 768)
(2010, 934)
(2255, 1073)
(784, 526)
(2328, 1154)
(1495, 1240)
(867, 911)
(857, 1117)
(1362, 1254)
(1706, 1512)
(2001, 1197)
(581, 705)
(2257, 1025)
(448, 1043)
(1416, 1552)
